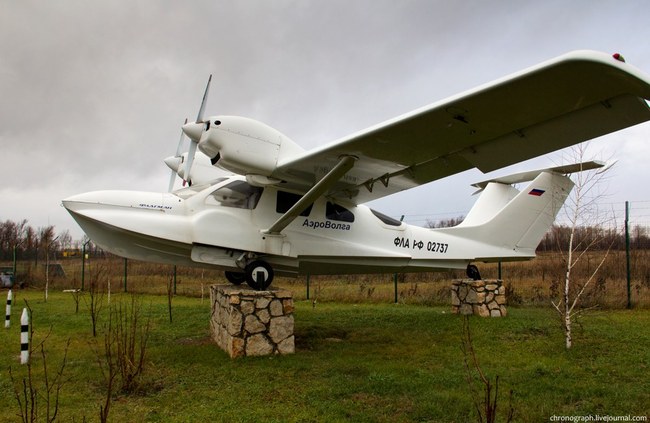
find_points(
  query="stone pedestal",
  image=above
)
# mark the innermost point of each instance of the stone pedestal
(486, 298)
(246, 322)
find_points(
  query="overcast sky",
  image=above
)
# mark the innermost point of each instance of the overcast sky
(93, 94)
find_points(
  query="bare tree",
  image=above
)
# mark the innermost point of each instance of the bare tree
(485, 403)
(31, 240)
(108, 366)
(12, 236)
(65, 239)
(582, 211)
(122, 361)
(94, 298)
(28, 392)
(128, 334)
(46, 237)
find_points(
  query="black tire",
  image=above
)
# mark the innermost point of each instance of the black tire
(473, 273)
(235, 278)
(259, 275)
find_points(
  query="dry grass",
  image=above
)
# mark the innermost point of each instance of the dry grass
(534, 282)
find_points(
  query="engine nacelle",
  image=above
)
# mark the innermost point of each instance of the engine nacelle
(246, 146)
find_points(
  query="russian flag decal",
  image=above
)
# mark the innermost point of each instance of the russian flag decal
(536, 192)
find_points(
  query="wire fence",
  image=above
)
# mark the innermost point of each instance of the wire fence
(531, 283)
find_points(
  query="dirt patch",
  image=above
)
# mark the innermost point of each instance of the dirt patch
(203, 340)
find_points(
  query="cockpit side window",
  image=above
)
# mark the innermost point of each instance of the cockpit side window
(286, 200)
(238, 194)
(334, 211)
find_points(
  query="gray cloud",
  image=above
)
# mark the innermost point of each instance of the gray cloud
(94, 93)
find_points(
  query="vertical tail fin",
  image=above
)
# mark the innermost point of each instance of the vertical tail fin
(509, 219)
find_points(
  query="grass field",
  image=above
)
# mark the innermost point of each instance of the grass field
(370, 362)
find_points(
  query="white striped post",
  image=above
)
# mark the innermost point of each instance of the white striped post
(24, 337)
(10, 297)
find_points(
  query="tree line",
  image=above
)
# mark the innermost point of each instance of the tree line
(29, 243)
(595, 237)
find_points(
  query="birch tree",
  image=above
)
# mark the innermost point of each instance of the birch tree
(582, 210)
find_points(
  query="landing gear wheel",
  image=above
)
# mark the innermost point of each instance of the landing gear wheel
(473, 273)
(259, 275)
(235, 278)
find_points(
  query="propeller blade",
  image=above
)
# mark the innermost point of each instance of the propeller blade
(199, 117)
(194, 132)
(171, 181)
(180, 141)
(174, 162)
(190, 159)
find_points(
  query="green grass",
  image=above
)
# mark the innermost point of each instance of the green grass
(366, 363)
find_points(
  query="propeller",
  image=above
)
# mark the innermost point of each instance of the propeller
(194, 131)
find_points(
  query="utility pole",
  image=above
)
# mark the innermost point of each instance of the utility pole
(47, 266)
(83, 263)
(125, 272)
(401, 219)
(14, 266)
(627, 252)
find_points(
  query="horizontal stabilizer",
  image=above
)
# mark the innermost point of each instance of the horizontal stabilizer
(516, 178)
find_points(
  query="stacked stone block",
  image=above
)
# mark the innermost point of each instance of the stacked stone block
(484, 298)
(246, 322)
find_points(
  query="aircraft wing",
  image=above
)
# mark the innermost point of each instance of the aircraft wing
(559, 103)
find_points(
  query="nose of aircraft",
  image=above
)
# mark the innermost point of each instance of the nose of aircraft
(78, 198)
(76, 204)
(194, 130)
(81, 201)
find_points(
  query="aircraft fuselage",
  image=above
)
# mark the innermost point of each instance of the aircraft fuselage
(216, 225)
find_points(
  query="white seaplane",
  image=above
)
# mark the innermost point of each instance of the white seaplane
(288, 211)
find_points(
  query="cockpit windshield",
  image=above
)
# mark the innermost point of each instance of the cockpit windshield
(190, 191)
(237, 194)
